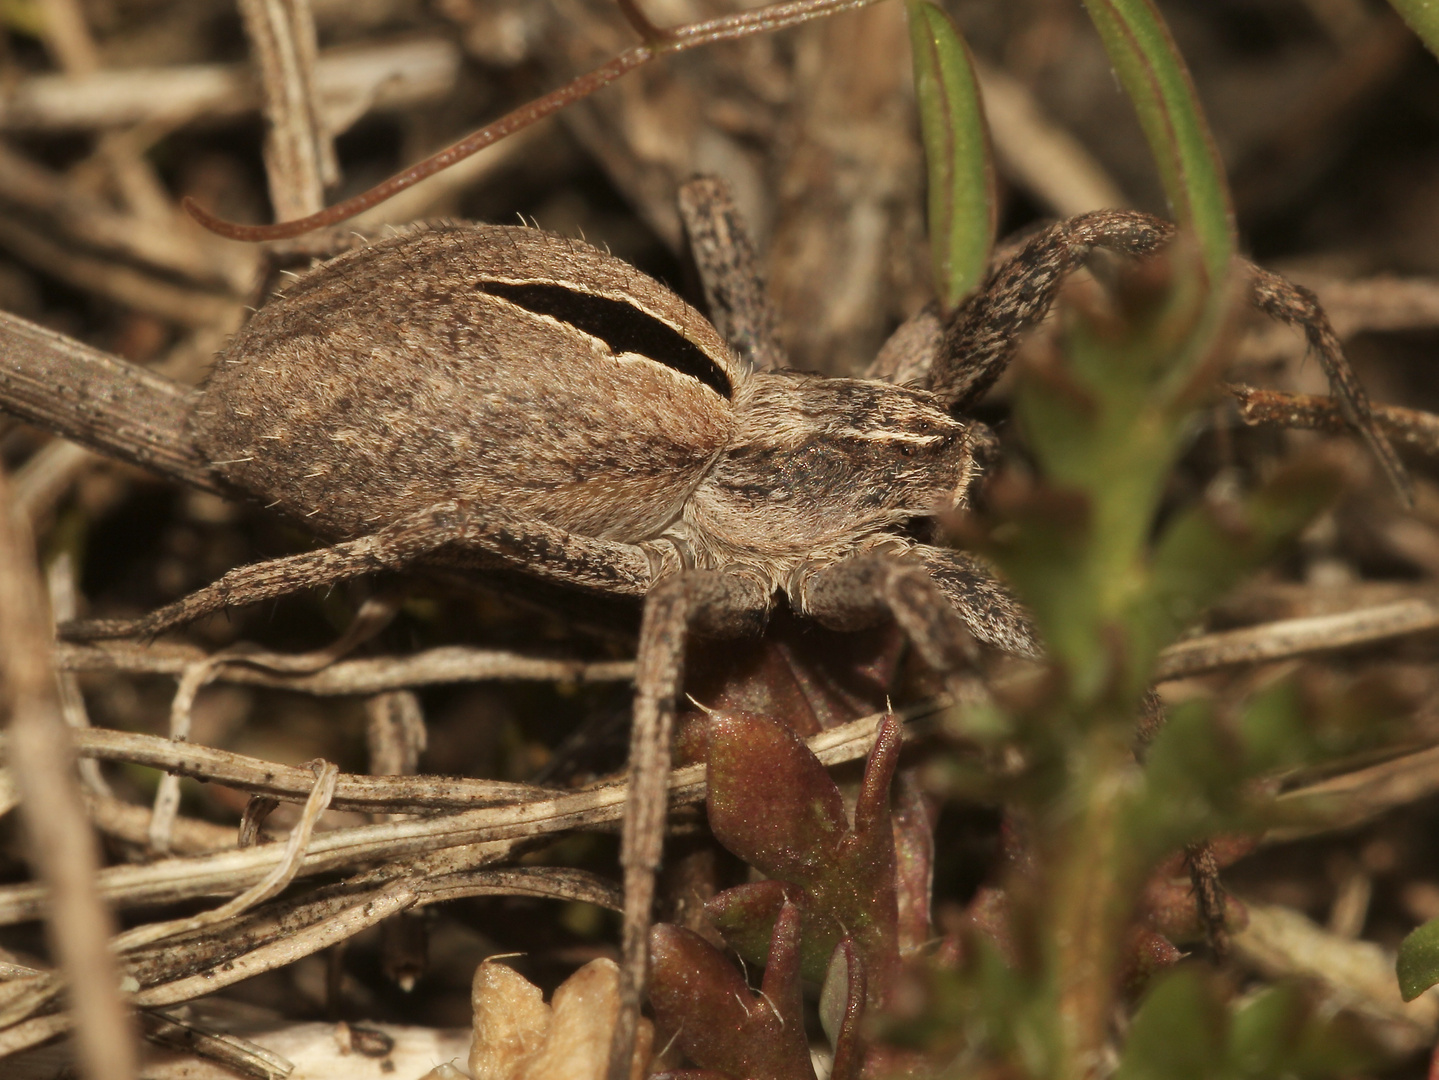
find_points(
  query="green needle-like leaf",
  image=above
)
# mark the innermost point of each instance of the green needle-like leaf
(1418, 966)
(1423, 18)
(956, 147)
(1155, 78)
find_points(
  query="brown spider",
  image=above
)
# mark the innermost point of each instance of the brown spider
(496, 398)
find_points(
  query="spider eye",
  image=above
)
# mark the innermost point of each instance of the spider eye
(906, 449)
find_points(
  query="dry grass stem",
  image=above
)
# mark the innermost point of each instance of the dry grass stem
(1296, 637)
(372, 675)
(171, 245)
(373, 794)
(543, 883)
(283, 952)
(1355, 797)
(272, 884)
(299, 153)
(230, 872)
(130, 823)
(439, 191)
(34, 1033)
(347, 82)
(395, 732)
(68, 38)
(128, 286)
(167, 792)
(1382, 303)
(46, 477)
(1281, 943)
(229, 1051)
(63, 849)
(60, 584)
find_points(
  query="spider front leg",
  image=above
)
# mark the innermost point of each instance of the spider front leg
(856, 591)
(978, 340)
(713, 604)
(537, 548)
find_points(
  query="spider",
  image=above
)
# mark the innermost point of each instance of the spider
(495, 398)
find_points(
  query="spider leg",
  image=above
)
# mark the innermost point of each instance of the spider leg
(729, 269)
(857, 591)
(714, 604)
(988, 609)
(540, 549)
(1281, 299)
(908, 355)
(980, 338)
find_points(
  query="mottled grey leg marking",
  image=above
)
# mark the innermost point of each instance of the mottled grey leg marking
(739, 305)
(715, 604)
(540, 549)
(980, 338)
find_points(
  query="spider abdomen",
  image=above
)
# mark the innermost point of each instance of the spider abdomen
(493, 364)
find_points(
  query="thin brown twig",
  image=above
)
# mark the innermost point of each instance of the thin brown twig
(299, 155)
(228, 872)
(231, 1051)
(274, 882)
(370, 675)
(1295, 637)
(1357, 796)
(63, 849)
(392, 76)
(726, 28)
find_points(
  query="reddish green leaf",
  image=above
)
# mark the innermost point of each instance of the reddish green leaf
(699, 995)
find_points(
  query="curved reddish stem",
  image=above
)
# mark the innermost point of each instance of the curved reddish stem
(511, 122)
(725, 28)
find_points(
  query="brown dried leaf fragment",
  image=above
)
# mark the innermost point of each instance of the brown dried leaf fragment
(519, 1037)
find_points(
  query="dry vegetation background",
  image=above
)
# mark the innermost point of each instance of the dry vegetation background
(1326, 113)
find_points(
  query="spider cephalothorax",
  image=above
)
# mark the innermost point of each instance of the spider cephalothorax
(817, 468)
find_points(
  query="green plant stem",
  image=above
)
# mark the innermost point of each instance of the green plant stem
(1097, 877)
